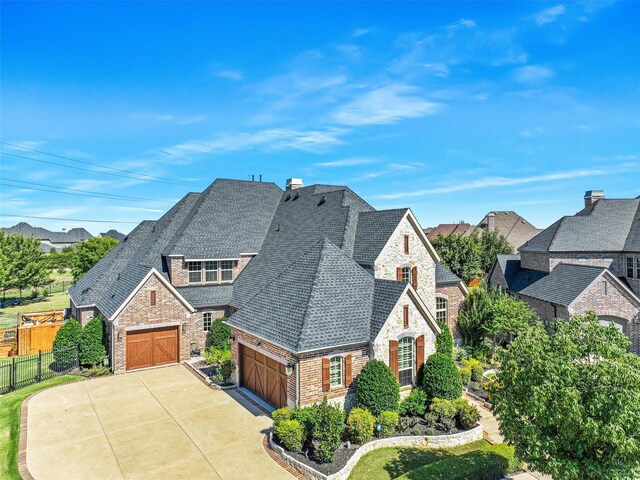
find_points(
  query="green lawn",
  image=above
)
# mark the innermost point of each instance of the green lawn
(475, 461)
(27, 367)
(10, 424)
(55, 301)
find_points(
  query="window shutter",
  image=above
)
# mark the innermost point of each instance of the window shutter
(406, 244)
(414, 277)
(326, 375)
(399, 274)
(419, 352)
(152, 298)
(393, 357)
(347, 370)
(405, 316)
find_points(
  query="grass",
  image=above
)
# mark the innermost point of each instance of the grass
(55, 301)
(27, 367)
(10, 424)
(477, 460)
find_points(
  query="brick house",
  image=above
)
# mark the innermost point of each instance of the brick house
(589, 261)
(313, 280)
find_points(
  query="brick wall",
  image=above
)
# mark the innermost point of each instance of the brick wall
(535, 261)
(139, 312)
(179, 273)
(454, 295)
(83, 315)
(199, 337)
(545, 310)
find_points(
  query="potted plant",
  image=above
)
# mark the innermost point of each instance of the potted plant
(13, 352)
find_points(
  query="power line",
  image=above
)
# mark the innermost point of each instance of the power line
(72, 191)
(65, 219)
(147, 176)
(88, 169)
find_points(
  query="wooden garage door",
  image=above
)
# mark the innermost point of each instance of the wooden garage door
(264, 376)
(149, 348)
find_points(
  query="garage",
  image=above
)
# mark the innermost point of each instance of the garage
(263, 376)
(152, 347)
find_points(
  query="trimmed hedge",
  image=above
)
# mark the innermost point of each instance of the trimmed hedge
(307, 418)
(220, 334)
(441, 378)
(415, 405)
(388, 422)
(360, 424)
(281, 414)
(290, 434)
(377, 389)
(444, 340)
(67, 335)
(327, 431)
(443, 408)
(92, 350)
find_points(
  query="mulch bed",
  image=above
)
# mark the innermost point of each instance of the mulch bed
(340, 459)
(478, 391)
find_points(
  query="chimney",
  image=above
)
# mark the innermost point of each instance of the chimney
(491, 222)
(294, 183)
(592, 196)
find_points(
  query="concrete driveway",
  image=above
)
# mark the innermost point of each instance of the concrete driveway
(161, 423)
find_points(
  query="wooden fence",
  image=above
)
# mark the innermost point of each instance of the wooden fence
(35, 338)
(8, 337)
(41, 317)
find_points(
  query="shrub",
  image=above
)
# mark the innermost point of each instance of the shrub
(468, 415)
(415, 404)
(220, 334)
(465, 375)
(441, 377)
(291, 434)
(327, 431)
(416, 431)
(430, 419)
(447, 424)
(429, 431)
(377, 389)
(307, 416)
(68, 335)
(360, 424)
(92, 350)
(460, 354)
(443, 408)
(215, 356)
(444, 340)
(225, 370)
(388, 422)
(281, 414)
(477, 370)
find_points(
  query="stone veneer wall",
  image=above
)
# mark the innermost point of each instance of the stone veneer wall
(454, 295)
(393, 256)
(138, 312)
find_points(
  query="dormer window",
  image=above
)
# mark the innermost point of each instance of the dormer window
(210, 271)
(215, 271)
(226, 269)
(195, 272)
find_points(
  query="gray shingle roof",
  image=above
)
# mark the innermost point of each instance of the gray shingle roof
(564, 284)
(444, 275)
(609, 225)
(323, 299)
(373, 232)
(75, 235)
(386, 294)
(206, 295)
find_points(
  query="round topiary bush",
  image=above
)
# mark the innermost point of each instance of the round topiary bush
(92, 350)
(377, 389)
(441, 377)
(290, 433)
(67, 336)
(360, 425)
(220, 334)
(444, 340)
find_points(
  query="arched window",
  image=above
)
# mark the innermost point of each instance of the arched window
(406, 360)
(335, 371)
(441, 309)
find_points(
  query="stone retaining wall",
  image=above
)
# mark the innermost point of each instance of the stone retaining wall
(417, 441)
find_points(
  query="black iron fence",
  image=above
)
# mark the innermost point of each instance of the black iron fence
(20, 372)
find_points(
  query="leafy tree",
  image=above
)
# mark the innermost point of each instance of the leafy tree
(472, 316)
(220, 334)
(569, 401)
(92, 349)
(489, 245)
(90, 252)
(459, 254)
(5, 268)
(441, 378)
(508, 317)
(25, 265)
(67, 336)
(444, 340)
(377, 389)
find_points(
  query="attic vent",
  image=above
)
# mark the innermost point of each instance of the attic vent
(287, 198)
(322, 200)
(296, 196)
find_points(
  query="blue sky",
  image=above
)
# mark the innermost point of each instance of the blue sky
(452, 109)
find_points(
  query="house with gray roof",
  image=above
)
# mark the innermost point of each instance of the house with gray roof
(589, 261)
(314, 283)
(51, 240)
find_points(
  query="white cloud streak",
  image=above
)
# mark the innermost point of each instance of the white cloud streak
(533, 74)
(347, 162)
(549, 15)
(234, 75)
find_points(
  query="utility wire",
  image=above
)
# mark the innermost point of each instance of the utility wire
(65, 219)
(147, 176)
(72, 191)
(88, 169)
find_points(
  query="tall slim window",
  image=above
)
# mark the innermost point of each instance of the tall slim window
(629, 267)
(406, 274)
(210, 271)
(637, 267)
(152, 298)
(206, 321)
(406, 361)
(441, 309)
(604, 288)
(406, 244)
(226, 270)
(195, 272)
(335, 371)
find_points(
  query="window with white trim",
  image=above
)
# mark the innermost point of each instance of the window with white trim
(629, 267)
(637, 267)
(206, 321)
(195, 272)
(441, 309)
(210, 271)
(215, 271)
(406, 274)
(406, 354)
(226, 270)
(335, 371)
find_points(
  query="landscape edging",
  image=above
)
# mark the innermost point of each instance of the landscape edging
(422, 441)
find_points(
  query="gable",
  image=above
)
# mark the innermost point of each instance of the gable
(618, 296)
(395, 240)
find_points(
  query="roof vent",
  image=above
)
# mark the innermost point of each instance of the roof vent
(296, 196)
(322, 200)
(287, 198)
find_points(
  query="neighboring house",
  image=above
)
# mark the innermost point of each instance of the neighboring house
(114, 234)
(315, 282)
(515, 228)
(49, 239)
(587, 261)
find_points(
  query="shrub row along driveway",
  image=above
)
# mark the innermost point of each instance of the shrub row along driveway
(161, 423)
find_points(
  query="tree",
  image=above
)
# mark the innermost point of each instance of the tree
(569, 401)
(67, 336)
(90, 252)
(459, 254)
(507, 318)
(472, 316)
(441, 378)
(220, 334)
(444, 340)
(377, 389)
(25, 265)
(5, 268)
(92, 349)
(490, 245)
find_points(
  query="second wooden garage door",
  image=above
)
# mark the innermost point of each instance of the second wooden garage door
(149, 348)
(264, 376)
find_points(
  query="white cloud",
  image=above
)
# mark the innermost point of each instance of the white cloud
(359, 32)
(533, 74)
(549, 15)
(234, 75)
(155, 117)
(388, 104)
(347, 162)
(462, 23)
